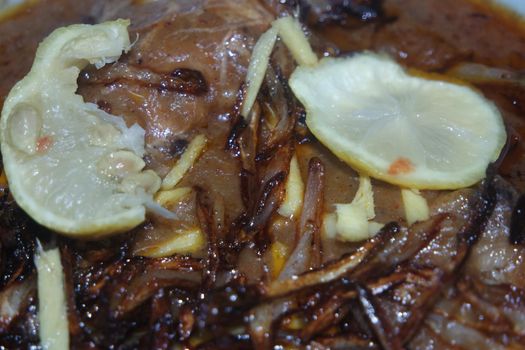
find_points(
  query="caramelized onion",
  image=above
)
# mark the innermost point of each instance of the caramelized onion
(377, 320)
(334, 270)
(305, 253)
(14, 299)
(452, 281)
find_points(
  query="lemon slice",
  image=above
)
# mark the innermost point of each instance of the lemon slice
(71, 166)
(405, 130)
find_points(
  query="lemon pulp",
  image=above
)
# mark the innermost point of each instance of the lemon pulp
(71, 166)
(405, 130)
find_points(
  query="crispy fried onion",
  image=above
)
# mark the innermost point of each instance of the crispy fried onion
(395, 286)
(386, 294)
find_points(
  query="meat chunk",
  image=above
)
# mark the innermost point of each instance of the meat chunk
(184, 70)
(453, 281)
(484, 308)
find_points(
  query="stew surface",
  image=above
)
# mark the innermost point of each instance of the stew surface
(456, 281)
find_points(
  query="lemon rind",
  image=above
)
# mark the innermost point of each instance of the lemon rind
(123, 220)
(366, 163)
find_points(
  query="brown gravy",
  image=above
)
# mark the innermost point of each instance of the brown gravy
(431, 36)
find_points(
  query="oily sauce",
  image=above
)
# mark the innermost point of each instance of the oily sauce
(431, 35)
(434, 36)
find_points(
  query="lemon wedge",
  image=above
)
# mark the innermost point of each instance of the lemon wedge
(405, 130)
(71, 166)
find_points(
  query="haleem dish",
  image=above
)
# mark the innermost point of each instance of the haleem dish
(261, 174)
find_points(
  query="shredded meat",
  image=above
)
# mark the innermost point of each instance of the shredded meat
(454, 281)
